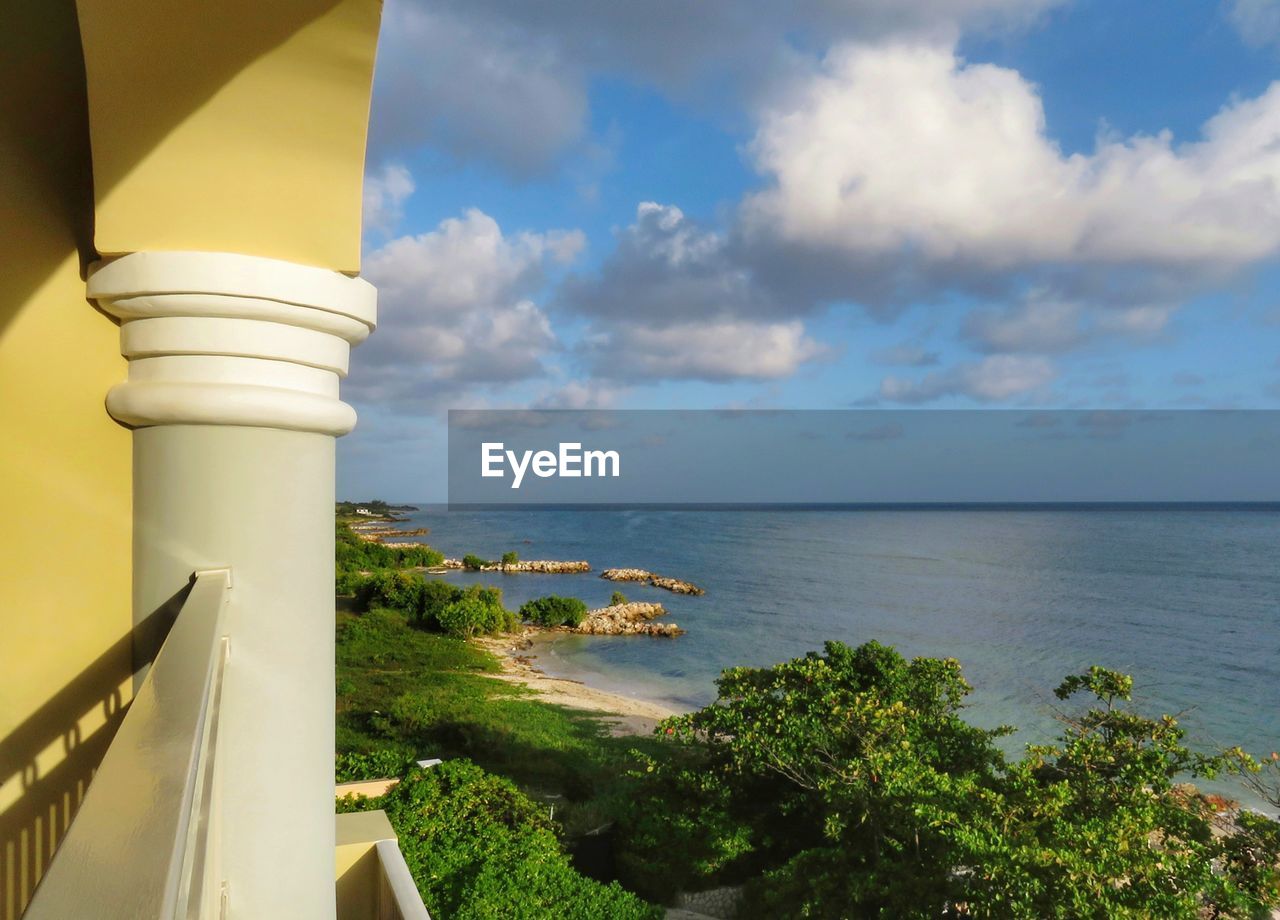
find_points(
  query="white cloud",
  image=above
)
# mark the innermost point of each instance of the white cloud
(385, 193)
(1257, 21)
(716, 350)
(455, 309)
(506, 81)
(996, 378)
(908, 149)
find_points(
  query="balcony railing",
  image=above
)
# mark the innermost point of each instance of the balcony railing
(144, 843)
(373, 880)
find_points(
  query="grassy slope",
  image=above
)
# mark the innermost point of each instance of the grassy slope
(428, 695)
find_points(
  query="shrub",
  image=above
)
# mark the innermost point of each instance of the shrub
(476, 611)
(510, 557)
(398, 590)
(617, 598)
(436, 595)
(474, 563)
(478, 848)
(353, 766)
(554, 610)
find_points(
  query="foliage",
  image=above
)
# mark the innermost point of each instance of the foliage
(476, 611)
(853, 760)
(381, 763)
(510, 557)
(474, 563)
(1099, 824)
(354, 555)
(847, 784)
(427, 694)
(554, 610)
(478, 848)
(617, 598)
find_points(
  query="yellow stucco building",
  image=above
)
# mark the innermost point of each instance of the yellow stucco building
(180, 190)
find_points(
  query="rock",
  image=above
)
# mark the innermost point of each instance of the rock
(544, 566)
(642, 576)
(632, 619)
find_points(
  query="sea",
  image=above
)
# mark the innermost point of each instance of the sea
(1184, 598)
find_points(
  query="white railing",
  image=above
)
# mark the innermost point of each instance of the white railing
(398, 897)
(144, 844)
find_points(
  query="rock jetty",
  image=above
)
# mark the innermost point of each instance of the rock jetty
(633, 619)
(378, 534)
(642, 576)
(542, 566)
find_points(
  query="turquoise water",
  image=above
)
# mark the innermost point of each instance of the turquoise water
(1188, 601)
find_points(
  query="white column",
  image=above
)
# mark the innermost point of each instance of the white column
(234, 364)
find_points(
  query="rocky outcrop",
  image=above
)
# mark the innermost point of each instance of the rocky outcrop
(642, 576)
(634, 619)
(543, 566)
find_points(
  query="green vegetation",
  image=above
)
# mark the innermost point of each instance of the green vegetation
(422, 694)
(474, 563)
(377, 506)
(479, 848)
(354, 555)
(510, 557)
(617, 598)
(554, 610)
(840, 784)
(847, 784)
(477, 611)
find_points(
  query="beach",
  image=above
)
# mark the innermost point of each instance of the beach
(518, 655)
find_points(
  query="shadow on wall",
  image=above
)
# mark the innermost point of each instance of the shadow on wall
(46, 181)
(33, 826)
(46, 170)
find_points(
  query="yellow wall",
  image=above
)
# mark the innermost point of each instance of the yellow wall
(65, 613)
(236, 126)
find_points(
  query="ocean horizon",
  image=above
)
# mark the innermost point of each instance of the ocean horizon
(1184, 596)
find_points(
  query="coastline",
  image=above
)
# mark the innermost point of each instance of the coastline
(517, 654)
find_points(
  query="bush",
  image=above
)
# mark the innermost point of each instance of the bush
(510, 557)
(398, 590)
(617, 598)
(477, 611)
(354, 766)
(474, 563)
(436, 595)
(554, 610)
(478, 848)
(847, 784)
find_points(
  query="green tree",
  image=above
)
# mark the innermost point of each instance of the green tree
(510, 557)
(1100, 824)
(617, 598)
(476, 611)
(554, 610)
(848, 785)
(474, 563)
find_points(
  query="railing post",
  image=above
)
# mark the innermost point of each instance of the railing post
(234, 364)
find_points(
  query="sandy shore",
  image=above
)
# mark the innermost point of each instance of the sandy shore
(518, 655)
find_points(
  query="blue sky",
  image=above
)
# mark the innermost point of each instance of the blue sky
(869, 203)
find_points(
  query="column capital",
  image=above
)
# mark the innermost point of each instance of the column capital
(228, 339)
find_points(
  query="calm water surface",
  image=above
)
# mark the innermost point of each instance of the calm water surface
(1187, 601)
